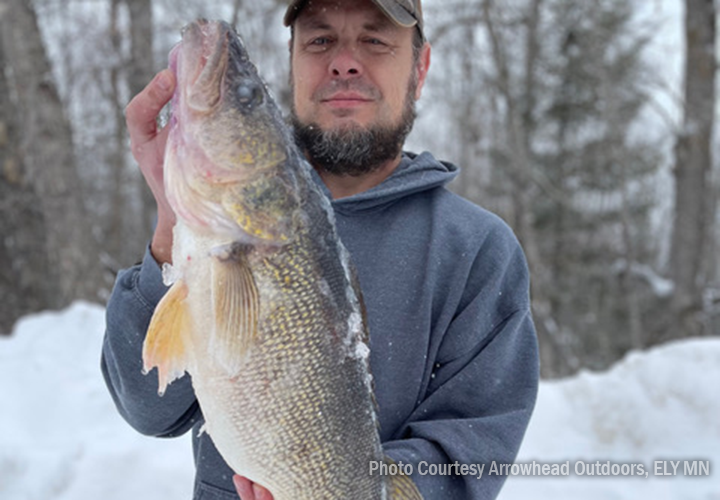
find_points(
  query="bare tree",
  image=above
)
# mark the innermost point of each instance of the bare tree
(131, 213)
(140, 71)
(116, 240)
(547, 95)
(692, 168)
(140, 65)
(518, 94)
(24, 275)
(46, 148)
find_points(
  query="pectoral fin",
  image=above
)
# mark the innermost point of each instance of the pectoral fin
(401, 487)
(237, 306)
(165, 345)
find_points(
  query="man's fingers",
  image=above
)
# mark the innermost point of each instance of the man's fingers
(261, 493)
(249, 490)
(244, 487)
(143, 110)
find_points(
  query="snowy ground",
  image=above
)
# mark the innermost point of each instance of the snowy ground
(661, 405)
(61, 436)
(62, 439)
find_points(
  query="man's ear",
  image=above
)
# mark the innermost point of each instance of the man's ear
(422, 67)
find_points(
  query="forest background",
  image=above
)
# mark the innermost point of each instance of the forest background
(587, 126)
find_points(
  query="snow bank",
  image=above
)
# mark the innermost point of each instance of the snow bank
(657, 405)
(62, 438)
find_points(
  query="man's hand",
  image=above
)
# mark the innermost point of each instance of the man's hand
(249, 490)
(148, 148)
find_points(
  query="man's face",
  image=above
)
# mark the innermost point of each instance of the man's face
(354, 78)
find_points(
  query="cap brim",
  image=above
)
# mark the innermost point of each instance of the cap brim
(392, 10)
(396, 13)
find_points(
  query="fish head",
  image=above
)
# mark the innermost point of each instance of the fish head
(228, 144)
(223, 102)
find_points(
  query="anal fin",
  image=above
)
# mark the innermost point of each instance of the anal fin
(236, 306)
(165, 345)
(400, 486)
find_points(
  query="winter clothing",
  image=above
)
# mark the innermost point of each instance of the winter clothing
(453, 348)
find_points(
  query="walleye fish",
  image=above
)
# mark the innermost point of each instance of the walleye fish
(264, 311)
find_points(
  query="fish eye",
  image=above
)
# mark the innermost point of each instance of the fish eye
(248, 94)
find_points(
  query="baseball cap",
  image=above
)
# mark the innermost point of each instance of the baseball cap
(405, 13)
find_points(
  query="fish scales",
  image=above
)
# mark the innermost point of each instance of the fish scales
(264, 310)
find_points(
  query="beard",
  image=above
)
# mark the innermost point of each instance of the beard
(354, 150)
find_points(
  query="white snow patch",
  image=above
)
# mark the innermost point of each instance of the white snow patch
(362, 351)
(661, 287)
(651, 406)
(354, 335)
(64, 439)
(170, 274)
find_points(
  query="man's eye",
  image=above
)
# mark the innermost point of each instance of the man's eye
(319, 44)
(321, 40)
(377, 45)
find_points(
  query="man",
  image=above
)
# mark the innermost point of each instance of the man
(453, 348)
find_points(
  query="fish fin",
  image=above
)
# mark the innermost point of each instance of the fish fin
(236, 306)
(165, 345)
(400, 486)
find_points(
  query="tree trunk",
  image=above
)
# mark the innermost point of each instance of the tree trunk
(141, 70)
(116, 236)
(470, 179)
(237, 7)
(519, 129)
(46, 148)
(693, 167)
(24, 275)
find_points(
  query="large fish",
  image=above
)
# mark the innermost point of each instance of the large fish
(264, 311)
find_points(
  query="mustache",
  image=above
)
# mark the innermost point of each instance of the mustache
(353, 85)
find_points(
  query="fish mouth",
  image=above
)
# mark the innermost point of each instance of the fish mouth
(200, 62)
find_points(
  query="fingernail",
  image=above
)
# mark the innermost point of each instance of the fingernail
(164, 81)
(257, 491)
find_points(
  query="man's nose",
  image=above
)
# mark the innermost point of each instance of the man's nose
(345, 64)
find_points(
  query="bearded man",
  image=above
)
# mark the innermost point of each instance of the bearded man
(453, 348)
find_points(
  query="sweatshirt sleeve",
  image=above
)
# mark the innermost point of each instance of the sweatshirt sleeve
(482, 389)
(136, 293)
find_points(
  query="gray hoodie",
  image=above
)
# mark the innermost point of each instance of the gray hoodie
(453, 348)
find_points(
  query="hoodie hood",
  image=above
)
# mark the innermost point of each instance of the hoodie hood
(414, 174)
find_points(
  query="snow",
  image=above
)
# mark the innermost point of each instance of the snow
(658, 405)
(62, 437)
(661, 287)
